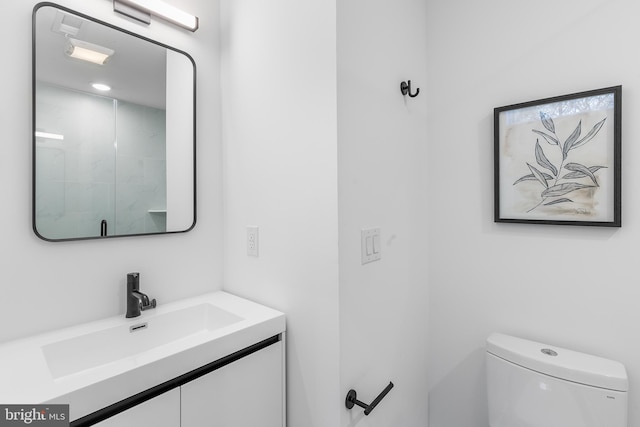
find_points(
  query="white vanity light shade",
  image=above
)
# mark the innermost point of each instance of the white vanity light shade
(165, 11)
(86, 51)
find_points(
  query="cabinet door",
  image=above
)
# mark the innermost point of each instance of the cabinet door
(161, 411)
(245, 393)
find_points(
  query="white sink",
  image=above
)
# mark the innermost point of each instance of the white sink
(94, 365)
(142, 334)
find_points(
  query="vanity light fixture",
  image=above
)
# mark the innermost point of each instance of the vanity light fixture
(101, 87)
(142, 10)
(86, 51)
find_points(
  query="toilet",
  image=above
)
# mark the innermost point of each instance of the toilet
(530, 384)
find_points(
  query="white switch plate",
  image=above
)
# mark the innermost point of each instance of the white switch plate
(370, 245)
(252, 240)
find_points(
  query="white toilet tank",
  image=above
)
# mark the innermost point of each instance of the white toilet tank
(536, 385)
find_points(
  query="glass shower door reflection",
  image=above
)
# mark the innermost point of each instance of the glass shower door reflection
(100, 167)
(75, 163)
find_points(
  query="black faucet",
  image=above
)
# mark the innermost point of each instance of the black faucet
(136, 300)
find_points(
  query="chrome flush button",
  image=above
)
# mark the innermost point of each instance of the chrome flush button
(549, 352)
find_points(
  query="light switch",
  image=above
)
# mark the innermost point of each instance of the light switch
(376, 243)
(370, 245)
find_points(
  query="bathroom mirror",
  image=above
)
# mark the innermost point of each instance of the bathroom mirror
(109, 162)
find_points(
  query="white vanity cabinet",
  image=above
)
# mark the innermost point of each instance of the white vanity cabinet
(246, 393)
(161, 411)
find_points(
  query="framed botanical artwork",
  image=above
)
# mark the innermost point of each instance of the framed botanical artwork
(558, 160)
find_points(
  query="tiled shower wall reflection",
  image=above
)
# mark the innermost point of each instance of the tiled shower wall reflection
(111, 165)
(141, 171)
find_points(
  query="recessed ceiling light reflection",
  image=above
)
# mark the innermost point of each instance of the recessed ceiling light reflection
(101, 87)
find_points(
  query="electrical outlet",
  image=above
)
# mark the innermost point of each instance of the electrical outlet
(252, 241)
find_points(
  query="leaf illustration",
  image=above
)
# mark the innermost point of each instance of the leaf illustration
(547, 121)
(568, 145)
(539, 176)
(531, 177)
(543, 161)
(550, 139)
(555, 202)
(562, 189)
(577, 174)
(592, 133)
(577, 167)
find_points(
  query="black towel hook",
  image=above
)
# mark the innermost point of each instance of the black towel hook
(352, 399)
(405, 88)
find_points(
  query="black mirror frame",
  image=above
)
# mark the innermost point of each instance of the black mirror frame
(33, 122)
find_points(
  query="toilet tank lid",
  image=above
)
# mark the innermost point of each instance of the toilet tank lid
(562, 363)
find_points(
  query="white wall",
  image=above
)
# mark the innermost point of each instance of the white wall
(570, 287)
(382, 157)
(179, 107)
(290, 119)
(279, 115)
(51, 285)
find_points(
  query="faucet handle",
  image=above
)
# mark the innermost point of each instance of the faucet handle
(152, 304)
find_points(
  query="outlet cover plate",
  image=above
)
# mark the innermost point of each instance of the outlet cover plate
(252, 240)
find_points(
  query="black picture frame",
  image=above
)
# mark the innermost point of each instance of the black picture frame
(557, 160)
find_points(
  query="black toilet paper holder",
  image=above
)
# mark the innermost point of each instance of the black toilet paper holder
(352, 399)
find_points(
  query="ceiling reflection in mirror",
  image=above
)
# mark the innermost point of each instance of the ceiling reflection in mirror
(114, 130)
